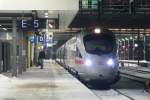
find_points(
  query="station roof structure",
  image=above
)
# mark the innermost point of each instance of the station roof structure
(72, 15)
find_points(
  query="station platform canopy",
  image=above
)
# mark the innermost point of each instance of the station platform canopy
(39, 4)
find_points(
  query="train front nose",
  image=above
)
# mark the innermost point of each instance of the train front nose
(108, 75)
(106, 69)
(112, 67)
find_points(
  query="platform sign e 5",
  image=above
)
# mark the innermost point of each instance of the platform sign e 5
(31, 24)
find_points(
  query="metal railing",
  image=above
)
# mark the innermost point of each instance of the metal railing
(143, 66)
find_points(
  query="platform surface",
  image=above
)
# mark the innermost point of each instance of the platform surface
(50, 83)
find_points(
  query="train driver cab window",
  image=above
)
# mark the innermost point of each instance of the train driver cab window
(98, 44)
(78, 54)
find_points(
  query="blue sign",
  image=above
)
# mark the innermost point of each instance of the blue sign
(32, 39)
(42, 39)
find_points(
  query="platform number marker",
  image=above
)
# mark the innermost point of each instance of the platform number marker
(36, 23)
(24, 24)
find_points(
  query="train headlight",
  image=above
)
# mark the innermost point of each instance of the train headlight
(88, 62)
(110, 62)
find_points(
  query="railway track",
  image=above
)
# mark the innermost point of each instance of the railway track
(116, 94)
(122, 91)
(111, 94)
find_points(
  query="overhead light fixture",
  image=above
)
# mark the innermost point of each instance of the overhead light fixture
(46, 13)
(131, 38)
(4, 29)
(123, 40)
(135, 45)
(46, 16)
(126, 39)
(97, 30)
(147, 34)
(0, 25)
(50, 25)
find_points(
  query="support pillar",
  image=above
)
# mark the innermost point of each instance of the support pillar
(1, 62)
(133, 48)
(138, 48)
(20, 68)
(29, 52)
(36, 50)
(14, 56)
(144, 40)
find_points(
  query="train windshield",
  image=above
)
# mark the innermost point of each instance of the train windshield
(98, 44)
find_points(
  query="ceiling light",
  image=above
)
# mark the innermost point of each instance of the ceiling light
(126, 39)
(135, 45)
(123, 40)
(0, 25)
(131, 38)
(46, 16)
(46, 13)
(4, 29)
(50, 25)
(97, 30)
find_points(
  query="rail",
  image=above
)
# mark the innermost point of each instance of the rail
(131, 69)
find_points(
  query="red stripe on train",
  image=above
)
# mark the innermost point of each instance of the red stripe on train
(79, 61)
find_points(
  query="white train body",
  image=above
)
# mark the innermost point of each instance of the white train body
(91, 56)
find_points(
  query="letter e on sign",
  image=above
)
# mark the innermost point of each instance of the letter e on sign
(24, 24)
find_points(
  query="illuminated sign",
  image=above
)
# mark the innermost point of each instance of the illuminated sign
(89, 4)
(42, 38)
(94, 4)
(85, 4)
(32, 39)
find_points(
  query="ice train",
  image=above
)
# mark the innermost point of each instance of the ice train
(91, 55)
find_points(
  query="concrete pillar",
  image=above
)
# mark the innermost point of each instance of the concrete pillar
(138, 46)
(36, 50)
(24, 55)
(20, 67)
(144, 39)
(133, 48)
(29, 52)
(32, 54)
(14, 56)
(5, 57)
(1, 57)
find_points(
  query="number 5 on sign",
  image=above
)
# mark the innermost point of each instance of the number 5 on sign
(36, 23)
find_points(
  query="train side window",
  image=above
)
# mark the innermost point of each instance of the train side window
(78, 54)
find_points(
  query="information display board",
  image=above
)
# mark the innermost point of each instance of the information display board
(88, 4)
